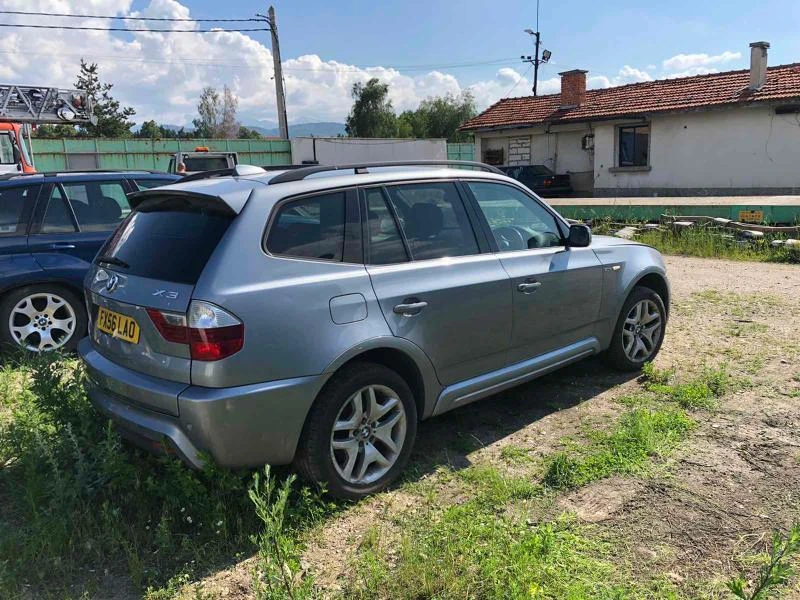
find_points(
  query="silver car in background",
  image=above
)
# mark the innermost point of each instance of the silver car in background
(314, 316)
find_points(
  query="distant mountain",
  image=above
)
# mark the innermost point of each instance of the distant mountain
(322, 129)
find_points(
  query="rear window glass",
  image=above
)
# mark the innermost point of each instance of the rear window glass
(310, 228)
(209, 163)
(171, 242)
(15, 206)
(148, 184)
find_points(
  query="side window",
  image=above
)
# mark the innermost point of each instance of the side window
(311, 227)
(6, 149)
(98, 206)
(15, 207)
(149, 184)
(517, 221)
(385, 244)
(57, 218)
(434, 220)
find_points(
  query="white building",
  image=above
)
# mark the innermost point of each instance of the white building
(732, 133)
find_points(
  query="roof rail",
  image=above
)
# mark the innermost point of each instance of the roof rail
(360, 168)
(237, 171)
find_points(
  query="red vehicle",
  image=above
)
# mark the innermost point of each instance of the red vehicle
(15, 156)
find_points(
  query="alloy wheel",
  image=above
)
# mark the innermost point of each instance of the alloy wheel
(368, 434)
(42, 321)
(641, 330)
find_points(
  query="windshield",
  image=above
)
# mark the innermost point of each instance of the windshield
(206, 163)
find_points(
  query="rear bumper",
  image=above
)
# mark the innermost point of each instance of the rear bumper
(243, 426)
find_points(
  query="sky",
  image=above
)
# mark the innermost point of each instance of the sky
(421, 49)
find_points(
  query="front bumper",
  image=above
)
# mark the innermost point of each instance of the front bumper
(243, 426)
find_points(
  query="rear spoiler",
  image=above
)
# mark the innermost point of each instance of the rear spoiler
(166, 199)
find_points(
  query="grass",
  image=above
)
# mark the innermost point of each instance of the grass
(700, 393)
(76, 503)
(708, 242)
(639, 435)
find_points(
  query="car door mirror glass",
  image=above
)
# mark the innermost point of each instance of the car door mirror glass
(580, 236)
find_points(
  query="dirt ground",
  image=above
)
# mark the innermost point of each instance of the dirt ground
(715, 500)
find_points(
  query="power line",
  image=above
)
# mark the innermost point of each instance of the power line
(513, 87)
(125, 18)
(77, 28)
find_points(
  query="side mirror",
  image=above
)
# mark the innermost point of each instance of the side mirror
(580, 236)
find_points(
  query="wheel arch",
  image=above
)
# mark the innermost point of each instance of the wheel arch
(403, 357)
(658, 283)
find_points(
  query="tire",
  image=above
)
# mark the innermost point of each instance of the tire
(620, 353)
(58, 312)
(355, 439)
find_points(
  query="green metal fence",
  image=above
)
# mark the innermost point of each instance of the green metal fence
(460, 151)
(77, 153)
(83, 154)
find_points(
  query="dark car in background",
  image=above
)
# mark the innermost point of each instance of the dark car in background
(540, 179)
(51, 227)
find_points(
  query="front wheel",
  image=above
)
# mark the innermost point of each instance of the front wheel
(41, 318)
(360, 433)
(639, 331)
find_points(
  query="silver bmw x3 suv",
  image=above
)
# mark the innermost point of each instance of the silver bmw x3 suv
(313, 317)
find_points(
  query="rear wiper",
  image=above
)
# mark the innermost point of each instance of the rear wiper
(114, 261)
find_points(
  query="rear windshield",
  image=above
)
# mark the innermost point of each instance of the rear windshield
(171, 240)
(206, 163)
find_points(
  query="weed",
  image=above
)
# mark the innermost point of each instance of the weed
(655, 376)
(496, 489)
(278, 572)
(776, 569)
(701, 393)
(637, 436)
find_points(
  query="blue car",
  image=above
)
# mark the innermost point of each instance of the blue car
(51, 227)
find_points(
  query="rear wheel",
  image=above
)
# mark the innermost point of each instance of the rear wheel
(41, 318)
(360, 432)
(639, 331)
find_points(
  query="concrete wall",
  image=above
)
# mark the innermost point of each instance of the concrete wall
(747, 150)
(340, 151)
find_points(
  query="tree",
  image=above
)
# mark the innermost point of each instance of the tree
(372, 114)
(55, 131)
(217, 114)
(149, 129)
(112, 117)
(245, 133)
(440, 117)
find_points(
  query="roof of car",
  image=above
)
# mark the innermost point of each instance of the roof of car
(49, 177)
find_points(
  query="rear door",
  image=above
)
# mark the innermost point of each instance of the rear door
(556, 290)
(435, 286)
(73, 220)
(153, 261)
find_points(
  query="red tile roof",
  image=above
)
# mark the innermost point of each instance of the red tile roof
(663, 95)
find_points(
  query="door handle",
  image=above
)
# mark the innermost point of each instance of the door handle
(62, 246)
(409, 309)
(529, 287)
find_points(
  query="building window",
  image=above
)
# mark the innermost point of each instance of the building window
(634, 146)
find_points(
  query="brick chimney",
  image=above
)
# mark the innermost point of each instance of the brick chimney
(573, 88)
(758, 65)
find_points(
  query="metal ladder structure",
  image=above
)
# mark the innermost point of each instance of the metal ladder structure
(42, 104)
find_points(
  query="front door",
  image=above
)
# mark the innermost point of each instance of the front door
(434, 285)
(556, 290)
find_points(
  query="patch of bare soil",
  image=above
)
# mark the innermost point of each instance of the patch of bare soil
(735, 480)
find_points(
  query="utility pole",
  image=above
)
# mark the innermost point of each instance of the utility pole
(283, 124)
(536, 61)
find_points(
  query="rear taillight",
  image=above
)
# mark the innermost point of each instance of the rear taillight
(211, 332)
(548, 182)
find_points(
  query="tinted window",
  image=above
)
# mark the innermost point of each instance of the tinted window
(6, 149)
(385, 244)
(57, 217)
(517, 221)
(15, 207)
(634, 142)
(98, 205)
(206, 163)
(310, 228)
(148, 184)
(434, 220)
(170, 240)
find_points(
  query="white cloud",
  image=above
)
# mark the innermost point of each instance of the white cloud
(688, 62)
(162, 75)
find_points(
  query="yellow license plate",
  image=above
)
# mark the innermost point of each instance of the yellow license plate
(117, 325)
